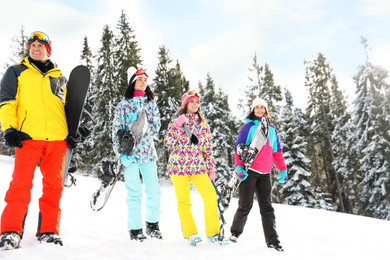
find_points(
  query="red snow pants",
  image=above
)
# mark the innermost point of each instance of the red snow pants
(52, 155)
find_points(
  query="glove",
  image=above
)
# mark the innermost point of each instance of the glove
(126, 160)
(12, 138)
(283, 177)
(212, 175)
(133, 117)
(241, 173)
(71, 141)
(180, 121)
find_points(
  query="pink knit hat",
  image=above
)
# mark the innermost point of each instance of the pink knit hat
(188, 96)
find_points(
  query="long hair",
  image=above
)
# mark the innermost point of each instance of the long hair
(129, 93)
(251, 115)
(199, 113)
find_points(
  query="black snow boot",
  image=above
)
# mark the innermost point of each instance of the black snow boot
(137, 234)
(275, 245)
(153, 230)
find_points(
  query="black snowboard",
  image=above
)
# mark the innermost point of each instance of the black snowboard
(77, 89)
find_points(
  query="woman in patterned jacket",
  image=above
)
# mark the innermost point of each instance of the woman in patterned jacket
(195, 163)
(143, 159)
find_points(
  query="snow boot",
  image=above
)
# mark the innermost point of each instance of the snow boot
(194, 239)
(137, 234)
(276, 246)
(9, 240)
(50, 237)
(233, 238)
(153, 230)
(218, 239)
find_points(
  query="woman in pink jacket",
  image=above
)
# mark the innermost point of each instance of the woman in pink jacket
(256, 177)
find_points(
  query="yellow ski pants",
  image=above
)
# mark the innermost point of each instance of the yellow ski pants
(205, 188)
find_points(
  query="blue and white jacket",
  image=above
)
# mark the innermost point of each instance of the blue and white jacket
(145, 151)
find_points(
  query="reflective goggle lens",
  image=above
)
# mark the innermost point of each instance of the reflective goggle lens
(141, 72)
(192, 93)
(40, 36)
(189, 94)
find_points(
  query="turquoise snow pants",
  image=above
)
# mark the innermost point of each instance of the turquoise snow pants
(134, 194)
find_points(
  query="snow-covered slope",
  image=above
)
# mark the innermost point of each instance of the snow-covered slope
(304, 233)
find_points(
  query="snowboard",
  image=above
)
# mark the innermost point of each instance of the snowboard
(224, 194)
(139, 127)
(248, 153)
(193, 138)
(110, 172)
(111, 168)
(225, 191)
(77, 88)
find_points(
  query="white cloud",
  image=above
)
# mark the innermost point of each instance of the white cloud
(374, 8)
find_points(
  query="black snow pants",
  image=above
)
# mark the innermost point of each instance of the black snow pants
(261, 184)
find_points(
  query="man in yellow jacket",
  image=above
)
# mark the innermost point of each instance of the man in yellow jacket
(32, 116)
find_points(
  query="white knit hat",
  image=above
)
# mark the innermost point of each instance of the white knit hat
(259, 101)
(132, 76)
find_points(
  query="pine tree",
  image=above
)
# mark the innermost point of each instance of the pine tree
(81, 154)
(104, 97)
(127, 52)
(345, 161)
(19, 48)
(169, 82)
(318, 75)
(216, 109)
(253, 90)
(297, 190)
(263, 86)
(371, 119)
(271, 93)
(19, 51)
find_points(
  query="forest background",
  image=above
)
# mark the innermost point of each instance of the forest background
(337, 152)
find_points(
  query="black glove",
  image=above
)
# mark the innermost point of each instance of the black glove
(12, 138)
(71, 141)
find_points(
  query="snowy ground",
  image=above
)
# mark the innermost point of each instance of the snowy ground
(304, 233)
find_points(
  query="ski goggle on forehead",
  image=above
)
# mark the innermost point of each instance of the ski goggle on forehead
(141, 72)
(40, 36)
(189, 94)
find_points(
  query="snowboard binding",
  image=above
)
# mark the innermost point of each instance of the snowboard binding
(246, 153)
(225, 193)
(126, 142)
(108, 172)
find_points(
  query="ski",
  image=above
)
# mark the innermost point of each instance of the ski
(111, 169)
(77, 88)
(193, 138)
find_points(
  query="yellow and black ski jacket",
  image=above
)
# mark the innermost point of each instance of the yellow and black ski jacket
(34, 102)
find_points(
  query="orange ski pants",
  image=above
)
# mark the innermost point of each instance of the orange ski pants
(18, 196)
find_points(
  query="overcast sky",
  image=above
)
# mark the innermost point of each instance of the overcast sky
(219, 37)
